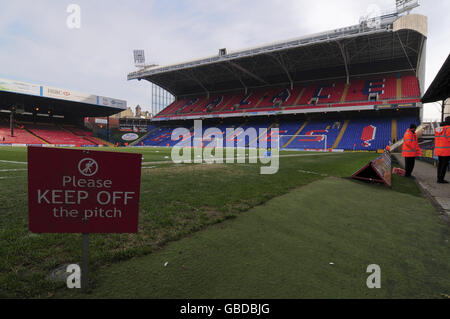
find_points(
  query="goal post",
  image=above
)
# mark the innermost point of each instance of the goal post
(304, 142)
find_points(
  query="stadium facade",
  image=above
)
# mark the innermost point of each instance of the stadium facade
(360, 86)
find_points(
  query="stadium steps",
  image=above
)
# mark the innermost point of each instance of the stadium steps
(341, 134)
(98, 141)
(84, 137)
(344, 94)
(225, 105)
(261, 135)
(144, 137)
(193, 108)
(259, 102)
(296, 134)
(394, 134)
(299, 97)
(91, 140)
(399, 88)
(35, 135)
(68, 130)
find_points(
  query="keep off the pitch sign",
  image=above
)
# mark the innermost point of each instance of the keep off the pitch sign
(76, 191)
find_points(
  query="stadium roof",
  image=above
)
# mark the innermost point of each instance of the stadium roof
(439, 90)
(358, 50)
(26, 98)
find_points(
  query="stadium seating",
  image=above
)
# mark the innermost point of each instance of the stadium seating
(86, 135)
(403, 125)
(316, 95)
(160, 137)
(57, 135)
(40, 134)
(367, 135)
(328, 128)
(20, 136)
(363, 134)
(410, 87)
(78, 131)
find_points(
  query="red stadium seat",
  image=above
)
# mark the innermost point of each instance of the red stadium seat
(326, 94)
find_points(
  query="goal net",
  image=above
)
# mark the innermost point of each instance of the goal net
(304, 142)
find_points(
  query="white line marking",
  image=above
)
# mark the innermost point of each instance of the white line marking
(312, 173)
(13, 170)
(12, 162)
(253, 157)
(225, 159)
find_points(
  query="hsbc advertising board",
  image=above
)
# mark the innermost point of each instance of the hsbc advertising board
(76, 191)
(60, 94)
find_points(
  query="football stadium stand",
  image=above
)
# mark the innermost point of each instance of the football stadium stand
(42, 115)
(358, 134)
(356, 88)
(57, 135)
(45, 133)
(359, 86)
(21, 136)
(359, 92)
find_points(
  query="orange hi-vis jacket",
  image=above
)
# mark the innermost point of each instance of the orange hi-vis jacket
(411, 145)
(442, 141)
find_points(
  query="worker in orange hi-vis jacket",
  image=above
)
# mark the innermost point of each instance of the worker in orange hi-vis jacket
(442, 149)
(411, 149)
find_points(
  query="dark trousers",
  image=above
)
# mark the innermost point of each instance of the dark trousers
(442, 167)
(409, 165)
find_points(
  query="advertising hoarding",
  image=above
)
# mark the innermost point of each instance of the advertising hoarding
(19, 87)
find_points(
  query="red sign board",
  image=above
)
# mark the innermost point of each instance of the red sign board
(379, 170)
(80, 191)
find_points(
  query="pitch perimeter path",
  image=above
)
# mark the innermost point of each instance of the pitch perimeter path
(314, 242)
(426, 176)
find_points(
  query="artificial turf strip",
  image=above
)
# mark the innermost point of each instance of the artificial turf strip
(283, 249)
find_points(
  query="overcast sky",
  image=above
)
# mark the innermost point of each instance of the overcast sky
(37, 46)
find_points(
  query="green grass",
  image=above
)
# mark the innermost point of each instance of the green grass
(176, 201)
(284, 248)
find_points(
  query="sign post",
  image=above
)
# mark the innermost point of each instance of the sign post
(85, 192)
(85, 264)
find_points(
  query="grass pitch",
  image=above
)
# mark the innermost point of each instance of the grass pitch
(240, 234)
(284, 249)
